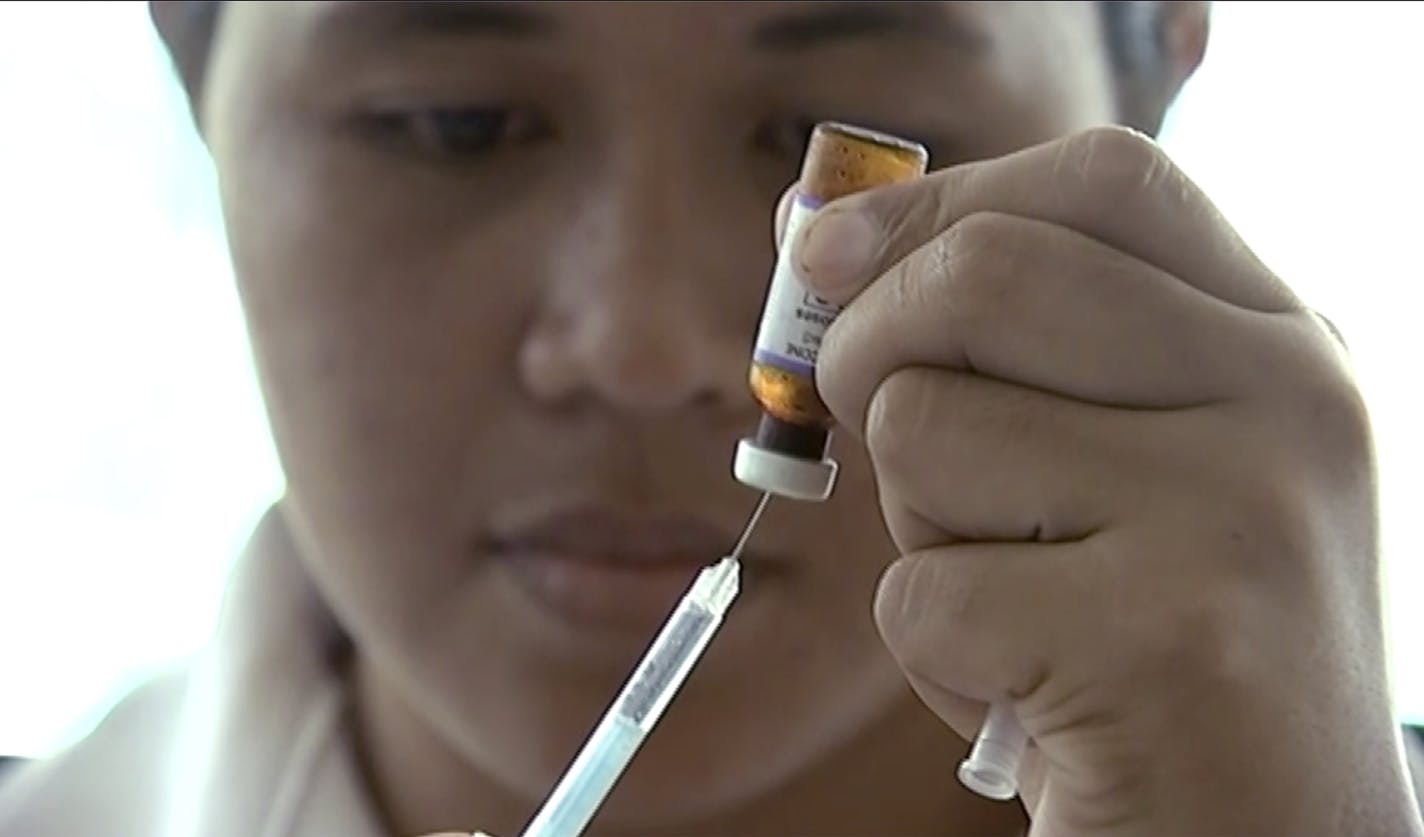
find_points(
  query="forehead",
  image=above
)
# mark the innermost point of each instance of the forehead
(977, 29)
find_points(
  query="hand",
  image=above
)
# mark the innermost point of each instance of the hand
(1132, 481)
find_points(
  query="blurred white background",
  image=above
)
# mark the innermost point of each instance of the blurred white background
(133, 454)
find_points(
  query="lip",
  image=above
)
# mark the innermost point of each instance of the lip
(604, 568)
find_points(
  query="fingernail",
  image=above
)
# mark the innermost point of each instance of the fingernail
(836, 251)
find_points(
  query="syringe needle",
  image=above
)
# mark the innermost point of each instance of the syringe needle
(750, 527)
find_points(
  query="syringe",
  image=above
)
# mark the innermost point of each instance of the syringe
(647, 693)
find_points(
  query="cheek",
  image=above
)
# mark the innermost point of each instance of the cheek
(384, 314)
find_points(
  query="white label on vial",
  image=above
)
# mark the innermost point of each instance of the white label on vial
(794, 320)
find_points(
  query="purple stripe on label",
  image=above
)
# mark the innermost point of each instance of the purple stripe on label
(784, 363)
(809, 202)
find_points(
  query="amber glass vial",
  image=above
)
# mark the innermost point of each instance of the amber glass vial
(788, 455)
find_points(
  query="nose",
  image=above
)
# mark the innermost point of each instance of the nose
(635, 317)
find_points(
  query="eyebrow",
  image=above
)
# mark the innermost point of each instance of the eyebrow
(830, 23)
(380, 22)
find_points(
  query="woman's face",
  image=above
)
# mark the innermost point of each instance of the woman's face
(501, 264)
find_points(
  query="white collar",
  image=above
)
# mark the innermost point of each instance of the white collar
(263, 747)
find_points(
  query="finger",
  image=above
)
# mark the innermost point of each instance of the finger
(783, 211)
(1043, 306)
(909, 529)
(981, 460)
(963, 715)
(988, 622)
(1111, 184)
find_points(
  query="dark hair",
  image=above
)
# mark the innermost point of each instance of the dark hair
(1132, 31)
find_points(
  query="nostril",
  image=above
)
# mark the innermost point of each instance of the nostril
(707, 399)
(628, 352)
(633, 380)
(547, 371)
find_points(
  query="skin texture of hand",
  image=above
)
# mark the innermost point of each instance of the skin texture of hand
(1132, 482)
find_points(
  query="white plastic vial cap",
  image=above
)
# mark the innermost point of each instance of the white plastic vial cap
(785, 476)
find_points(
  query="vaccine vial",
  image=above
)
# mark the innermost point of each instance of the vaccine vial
(789, 455)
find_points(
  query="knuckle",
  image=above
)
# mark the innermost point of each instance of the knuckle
(1201, 620)
(1207, 639)
(1324, 422)
(895, 419)
(905, 213)
(917, 608)
(1118, 162)
(983, 237)
(1185, 623)
(1332, 330)
(1268, 542)
(915, 284)
(974, 261)
(1336, 418)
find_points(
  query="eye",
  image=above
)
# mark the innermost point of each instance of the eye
(784, 137)
(458, 132)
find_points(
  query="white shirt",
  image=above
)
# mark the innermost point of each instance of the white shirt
(249, 740)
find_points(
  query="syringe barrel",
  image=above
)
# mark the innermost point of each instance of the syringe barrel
(645, 696)
(589, 780)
